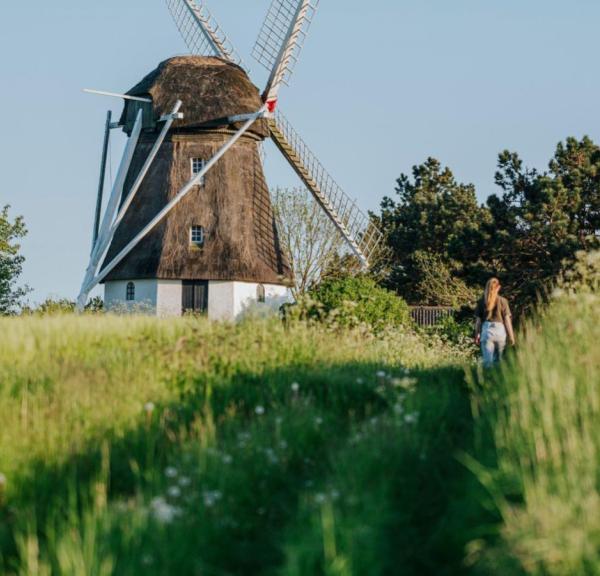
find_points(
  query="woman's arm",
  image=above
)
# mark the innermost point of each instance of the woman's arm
(477, 330)
(509, 329)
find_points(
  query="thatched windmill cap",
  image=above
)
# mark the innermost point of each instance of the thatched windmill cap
(210, 88)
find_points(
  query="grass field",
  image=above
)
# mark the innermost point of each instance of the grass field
(138, 446)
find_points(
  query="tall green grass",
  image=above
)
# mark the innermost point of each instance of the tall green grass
(545, 408)
(137, 446)
(95, 409)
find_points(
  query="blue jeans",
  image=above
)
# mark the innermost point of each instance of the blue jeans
(493, 342)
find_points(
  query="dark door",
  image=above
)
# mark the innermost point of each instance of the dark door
(195, 296)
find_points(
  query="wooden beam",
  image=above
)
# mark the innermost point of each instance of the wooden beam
(102, 178)
(151, 157)
(116, 95)
(109, 213)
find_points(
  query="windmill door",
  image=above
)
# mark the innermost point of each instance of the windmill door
(195, 296)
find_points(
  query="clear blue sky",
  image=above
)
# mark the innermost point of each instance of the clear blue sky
(381, 85)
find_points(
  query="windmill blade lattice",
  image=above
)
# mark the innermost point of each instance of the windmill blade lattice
(201, 32)
(282, 36)
(356, 227)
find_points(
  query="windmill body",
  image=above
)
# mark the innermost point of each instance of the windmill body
(189, 225)
(218, 250)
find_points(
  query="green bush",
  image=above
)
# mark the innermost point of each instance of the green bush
(457, 333)
(54, 306)
(358, 300)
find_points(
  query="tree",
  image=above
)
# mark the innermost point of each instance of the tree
(11, 262)
(542, 220)
(436, 283)
(434, 232)
(308, 237)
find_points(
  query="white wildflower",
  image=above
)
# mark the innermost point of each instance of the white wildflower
(404, 382)
(121, 507)
(295, 387)
(356, 439)
(243, 438)
(360, 381)
(174, 492)
(185, 481)
(318, 421)
(260, 410)
(211, 497)
(320, 498)
(149, 407)
(227, 459)
(163, 511)
(380, 374)
(411, 418)
(171, 472)
(271, 456)
(147, 560)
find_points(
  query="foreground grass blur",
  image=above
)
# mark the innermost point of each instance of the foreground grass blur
(544, 406)
(136, 446)
(103, 405)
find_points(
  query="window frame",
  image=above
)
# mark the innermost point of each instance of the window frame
(130, 292)
(197, 229)
(261, 294)
(196, 165)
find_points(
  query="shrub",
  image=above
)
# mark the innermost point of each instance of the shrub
(453, 332)
(358, 300)
(53, 306)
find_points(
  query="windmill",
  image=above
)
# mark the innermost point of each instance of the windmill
(206, 240)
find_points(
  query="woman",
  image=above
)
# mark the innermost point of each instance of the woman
(493, 323)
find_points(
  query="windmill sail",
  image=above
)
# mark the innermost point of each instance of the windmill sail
(281, 39)
(356, 227)
(201, 32)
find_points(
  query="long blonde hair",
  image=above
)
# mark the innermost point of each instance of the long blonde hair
(490, 296)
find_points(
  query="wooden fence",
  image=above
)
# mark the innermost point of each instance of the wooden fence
(430, 315)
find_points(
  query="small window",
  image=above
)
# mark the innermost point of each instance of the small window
(130, 293)
(197, 236)
(197, 165)
(261, 295)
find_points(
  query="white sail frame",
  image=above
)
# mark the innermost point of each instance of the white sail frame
(106, 270)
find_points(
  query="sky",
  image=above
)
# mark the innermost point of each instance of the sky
(381, 85)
